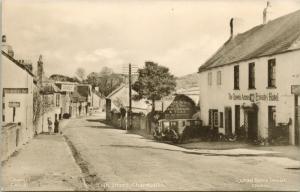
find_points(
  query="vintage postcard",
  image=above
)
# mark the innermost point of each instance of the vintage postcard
(150, 95)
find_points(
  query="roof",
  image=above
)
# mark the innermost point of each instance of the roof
(17, 63)
(49, 88)
(277, 36)
(115, 91)
(163, 104)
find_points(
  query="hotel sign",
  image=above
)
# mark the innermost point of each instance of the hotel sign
(14, 104)
(67, 87)
(253, 97)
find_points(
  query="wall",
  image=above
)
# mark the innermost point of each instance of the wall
(9, 140)
(217, 96)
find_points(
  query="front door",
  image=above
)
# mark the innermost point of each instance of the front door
(297, 120)
(252, 125)
(228, 121)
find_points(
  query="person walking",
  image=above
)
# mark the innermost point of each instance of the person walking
(49, 125)
(56, 126)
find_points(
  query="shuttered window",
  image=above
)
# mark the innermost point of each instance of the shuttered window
(236, 77)
(272, 73)
(251, 78)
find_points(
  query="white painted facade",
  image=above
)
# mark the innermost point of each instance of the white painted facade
(217, 97)
(15, 78)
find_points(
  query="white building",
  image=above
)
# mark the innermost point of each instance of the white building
(246, 86)
(17, 93)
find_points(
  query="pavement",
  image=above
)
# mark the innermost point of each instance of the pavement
(121, 161)
(45, 163)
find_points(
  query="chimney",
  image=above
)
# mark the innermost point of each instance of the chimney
(40, 70)
(231, 27)
(3, 38)
(265, 13)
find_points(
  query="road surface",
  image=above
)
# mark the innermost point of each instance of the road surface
(115, 160)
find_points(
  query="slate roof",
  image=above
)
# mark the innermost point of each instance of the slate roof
(17, 63)
(277, 36)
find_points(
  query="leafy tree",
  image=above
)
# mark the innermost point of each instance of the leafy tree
(58, 77)
(106, 80)
(154, 82)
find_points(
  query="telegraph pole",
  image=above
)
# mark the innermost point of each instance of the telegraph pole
(130, 99)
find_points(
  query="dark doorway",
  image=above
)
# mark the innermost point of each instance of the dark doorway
(228, 121)
(297, 120)
(237, 118)
(252, 125)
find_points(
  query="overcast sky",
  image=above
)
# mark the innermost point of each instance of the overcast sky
(180, 34)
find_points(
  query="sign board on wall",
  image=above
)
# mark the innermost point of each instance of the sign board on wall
(67, 87)
(180, 108)
(14, 104)
(253, 97)
(16, 90)
(295, 89)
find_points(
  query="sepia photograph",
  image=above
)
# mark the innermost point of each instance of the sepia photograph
(150, 95)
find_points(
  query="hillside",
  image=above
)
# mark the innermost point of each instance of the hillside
(187, 81)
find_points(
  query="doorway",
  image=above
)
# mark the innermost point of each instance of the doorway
(297, 120)
(252, 125)
(228, 121)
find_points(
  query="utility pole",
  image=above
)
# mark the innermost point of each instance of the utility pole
(130, 100)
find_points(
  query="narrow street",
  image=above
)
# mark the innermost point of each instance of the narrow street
(111, 159)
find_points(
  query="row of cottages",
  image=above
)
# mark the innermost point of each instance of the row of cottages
(250, 86)
(17, 89)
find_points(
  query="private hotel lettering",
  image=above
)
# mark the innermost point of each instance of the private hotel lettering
(254, 97)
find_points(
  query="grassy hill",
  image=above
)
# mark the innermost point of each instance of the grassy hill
(187, 81)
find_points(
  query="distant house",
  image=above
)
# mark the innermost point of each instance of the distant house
(98, 100)
(250, 86)
(118, 103)
(81, 100)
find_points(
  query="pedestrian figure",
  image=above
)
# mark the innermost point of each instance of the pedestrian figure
(49, 125)
(56, 126)
(80, 109)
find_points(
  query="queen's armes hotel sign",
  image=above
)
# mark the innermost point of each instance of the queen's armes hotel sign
(254, 97)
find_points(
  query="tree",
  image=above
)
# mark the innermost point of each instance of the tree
(58, 77)
(106, 80)
(80, 72)
(154, 82)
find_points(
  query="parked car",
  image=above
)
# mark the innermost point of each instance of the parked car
(176, 130)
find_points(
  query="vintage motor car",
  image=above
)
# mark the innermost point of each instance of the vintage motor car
(175, 130)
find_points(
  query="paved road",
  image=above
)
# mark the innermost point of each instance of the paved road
(120, 161)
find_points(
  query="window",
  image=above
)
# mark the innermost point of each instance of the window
(221, 119)
(209, 78)
(3, 118)
(236, 77)
(271, 73)
(216, 120)
(219, 78)
(210, 117)
(251, 78)
(3, 106)
(57, 100)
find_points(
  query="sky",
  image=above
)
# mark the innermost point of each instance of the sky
(179, 34)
